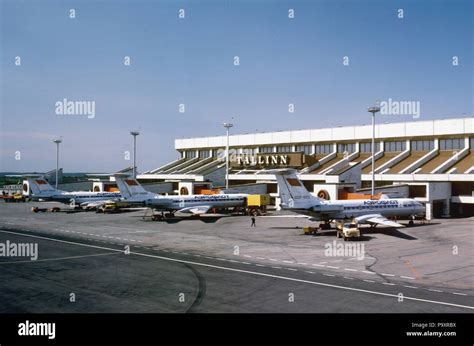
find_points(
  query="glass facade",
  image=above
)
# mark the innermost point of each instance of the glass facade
(323, 149)
(346, 147)
(284, 149)
(451, 143)
(395, 146)
(265, 150)
(190, 154)
(422, 145)
(204, 153)
(366, 147)
(307, 149)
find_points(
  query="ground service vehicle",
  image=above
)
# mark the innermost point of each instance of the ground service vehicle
(257, 204)
(347, 230)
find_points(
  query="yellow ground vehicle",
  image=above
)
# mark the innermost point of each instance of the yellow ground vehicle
(108, 208)
(257, 204)
(347, 230)
(17, 197)
(310, 230)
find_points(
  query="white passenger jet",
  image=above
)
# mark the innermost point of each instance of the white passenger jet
(133, 193)
(296, 198)
(41, 190)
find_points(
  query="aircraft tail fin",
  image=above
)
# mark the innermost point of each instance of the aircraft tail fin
(129, 187)
(293, 193)
(40, 187)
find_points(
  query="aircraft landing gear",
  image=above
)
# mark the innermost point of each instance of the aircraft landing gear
(325, 226)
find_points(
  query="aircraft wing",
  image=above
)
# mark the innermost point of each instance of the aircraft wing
(95, 204)
(289, 216)
(202, 209)
(377, 219)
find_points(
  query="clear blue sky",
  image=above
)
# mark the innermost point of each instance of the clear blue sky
(190, 61)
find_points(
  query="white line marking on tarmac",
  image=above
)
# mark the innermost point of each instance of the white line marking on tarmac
(260, 258)
(350, 270)
(367, 272)
(292, 269)
(260, 265)
(328, 275)
(460, 294)
(433, 290)
(410, 286)
(388, 283)
(288, 262)
(318, 265)
(407, 277)
(310, 272)
(348, 278)
(332, 267)
(60, 258)
(246, 271)
(369, 281)
(384, 274)
(302, 263)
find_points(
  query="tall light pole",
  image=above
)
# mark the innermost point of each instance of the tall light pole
(134, 134)
(373, 110)
(57, 141)
(227, 127)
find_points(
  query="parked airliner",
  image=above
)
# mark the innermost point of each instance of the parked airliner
(296, 198)
(133, 192)
(41, 190)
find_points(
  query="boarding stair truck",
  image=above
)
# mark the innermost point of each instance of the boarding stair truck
(347, 230)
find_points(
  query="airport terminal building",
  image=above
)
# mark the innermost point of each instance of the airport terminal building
(432, 161)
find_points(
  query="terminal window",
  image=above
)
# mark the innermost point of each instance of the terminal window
(348, 147)
(190, 154)
(450, 144)
(266, 150)
(284, 149)
(422, 145)
(204, 153)
(395, 146)
(247, 151)
(367, 147)
(307, 149)
(324, 148)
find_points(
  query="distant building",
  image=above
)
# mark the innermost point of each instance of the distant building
(51, 176)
